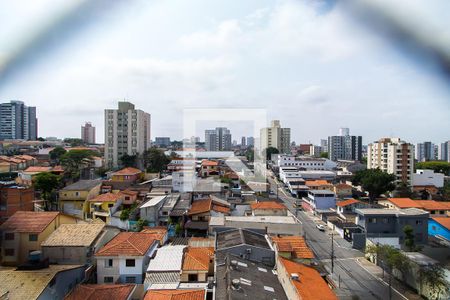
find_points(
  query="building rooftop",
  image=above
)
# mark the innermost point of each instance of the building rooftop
(83, 185)
(293, 244)
(253, 280)
(317, 183)
(36, 169)
(267, 205)
(307, 278)
(168, 258)
(444, 221)
(209, 163)
(403, 202)
(175, 295)
(101, 292)
(320, 192)
(29, 221)
(221, 220)
(197, 258)
(347, 202)
(206, 205)
(128, 244)
(107, 197)
(127, 171)
(239, 236)
(29, 284)
(73, 235)
(153, 201)
(392, 212)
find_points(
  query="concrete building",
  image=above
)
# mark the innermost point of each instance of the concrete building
(345, 146)
(15, 198)
(393, 156)
(218, 139)
(315, 150)
(88, 133)
(127, 131)
(319, 200)
(162, 141)
(277, 137)
(243, 142)
(428, 178)
(17, 121)
(250, 141)
(425, 151)
(444, 151)
(303, 162)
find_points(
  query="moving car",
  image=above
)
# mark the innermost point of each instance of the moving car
(320, 227)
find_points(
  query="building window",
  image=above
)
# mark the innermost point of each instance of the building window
(192, 277)
(33, 237)
(9, 252)
(108, 263)
(418, 222)
(130, 279)
(108, 279)
(9, 236)
(130, 262)
(372, 220)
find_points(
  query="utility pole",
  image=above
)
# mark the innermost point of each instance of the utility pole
(332, 253)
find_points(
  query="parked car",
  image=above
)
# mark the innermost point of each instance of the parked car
(320, 227)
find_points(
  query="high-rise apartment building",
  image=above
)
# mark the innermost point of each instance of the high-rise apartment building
(127, 131)
(162, 141)
(250, 141)
(17, 121)
(425, 151)
(88, 133)
(218, 139)
(344, 146)
(243, 142)
(444, 151)
(393, 156)
(277, 137)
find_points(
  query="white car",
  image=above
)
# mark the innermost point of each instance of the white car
(320, 227)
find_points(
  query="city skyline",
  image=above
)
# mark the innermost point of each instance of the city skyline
(229, 60)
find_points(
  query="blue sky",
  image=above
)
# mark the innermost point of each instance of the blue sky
(311, 64)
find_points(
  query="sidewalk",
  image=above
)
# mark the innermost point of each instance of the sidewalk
(377, 272)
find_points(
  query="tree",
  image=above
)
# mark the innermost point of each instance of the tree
(128, 160)
(324, 154)
(125, 214)
(269, 151)
(374, 181)
(46, 183)
(141, 223)
(402, 190)
(434, 277)
(74, 142)
(41, 139)
(57, 152)
(250, 154)
(155, 160)
(436, 166)
(75, 160)
(409, 237)
(178, 229)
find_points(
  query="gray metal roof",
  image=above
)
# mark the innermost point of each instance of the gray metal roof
(83, 185)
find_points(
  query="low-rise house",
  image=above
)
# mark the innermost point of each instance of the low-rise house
(129, 197)
(268, 208)
(128, 174)
(24, 232)
(168, 206)
(160, 232)
(342, 190)
(246, 244)
(15, 198)
(318, 185)
(52, 282)
(195, 294)
(302, 282)
(73, 199)
(238, 278)
(202, 210)
(125, 258)
(164, 269)
(105, 291)
(293, 248)
(76, 243)
(319, 200)
(25, 177)
(427, 178)
(102, 206)
(439, 227)
(381, 223)
(149, 210)
(435, 208)
(346, 209)
(209, 167)
(198, 264)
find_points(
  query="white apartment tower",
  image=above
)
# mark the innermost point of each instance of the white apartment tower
(127, 131)
(393, 156)
(277, 137)
(444, 151)
(218, 139)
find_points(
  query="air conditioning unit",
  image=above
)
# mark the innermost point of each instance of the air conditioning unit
(248, 251)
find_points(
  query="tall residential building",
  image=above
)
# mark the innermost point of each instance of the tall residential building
(277, 137)
(250, 141)
(444, 151)
(425, 151)
(88, 133)
(127, 131)
(393, 156)
(243, 142)
(324, 144)
(218, 139)
(162, 141)
(344, 147)
(17, 121)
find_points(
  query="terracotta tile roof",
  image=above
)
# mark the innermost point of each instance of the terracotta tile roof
(37, 169)
(58, 168)
(101, 292)
(108, 197)
(308, 277)
(343, 186)
(175, 295)
(267, 205)
(197, 259)
(444, 221)
(433, 205)
(403, 202)
(29, 221)
(209, 163)
(158, 232)
(295, 244)
(130, 193)
(347, 202)
(221, 209)
(200, 206)
(127, 171)
(128, 244)
(74, 235)
(316, 182)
